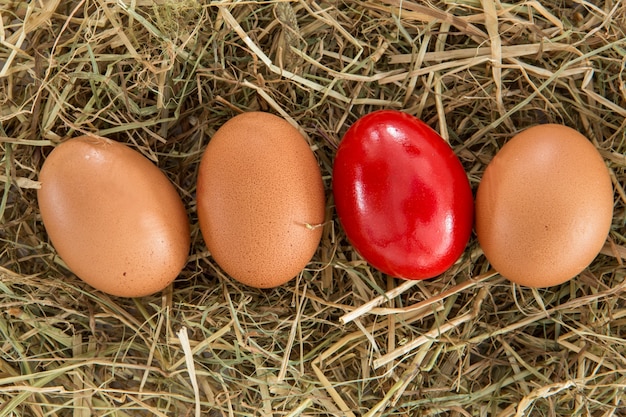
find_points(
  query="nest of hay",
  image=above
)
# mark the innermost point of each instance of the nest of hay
(341, 338)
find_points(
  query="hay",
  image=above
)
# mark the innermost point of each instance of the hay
(341, 339)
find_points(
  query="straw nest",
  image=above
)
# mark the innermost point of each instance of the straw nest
(341, 338)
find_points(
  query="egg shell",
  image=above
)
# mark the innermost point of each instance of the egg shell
(544, 206)
(113, 217)
(260, 199)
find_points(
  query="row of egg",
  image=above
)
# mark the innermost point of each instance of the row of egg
(542, 211)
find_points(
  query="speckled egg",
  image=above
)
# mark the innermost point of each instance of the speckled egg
(113, 217)
(261, 199)
(544, 206)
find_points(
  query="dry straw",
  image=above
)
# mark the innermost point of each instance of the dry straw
(341, 338)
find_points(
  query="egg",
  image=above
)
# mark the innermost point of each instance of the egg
(113, 217)
(544, 206)
(260, 199)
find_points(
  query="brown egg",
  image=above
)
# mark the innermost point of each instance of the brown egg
(113, 216)
(260, 199)
(544, 206)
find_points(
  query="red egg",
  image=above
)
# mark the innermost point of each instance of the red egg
(402, 195)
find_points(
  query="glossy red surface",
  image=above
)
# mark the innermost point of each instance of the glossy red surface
(402, 195)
